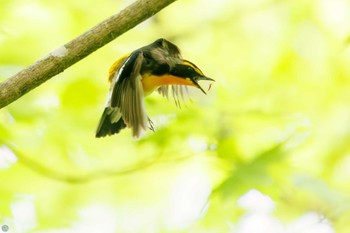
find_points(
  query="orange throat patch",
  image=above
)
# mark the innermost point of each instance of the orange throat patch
(152, 82)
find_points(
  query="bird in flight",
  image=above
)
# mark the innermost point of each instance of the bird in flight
(157, 66)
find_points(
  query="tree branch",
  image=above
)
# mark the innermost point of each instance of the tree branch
(75, 50)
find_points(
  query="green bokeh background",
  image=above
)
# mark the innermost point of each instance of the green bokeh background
(277, 120)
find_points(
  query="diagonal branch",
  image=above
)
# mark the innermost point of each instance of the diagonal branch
(75, 50)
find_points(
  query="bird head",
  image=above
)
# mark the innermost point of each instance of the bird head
(189, 71)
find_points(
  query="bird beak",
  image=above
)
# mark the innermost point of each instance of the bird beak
(198, 78)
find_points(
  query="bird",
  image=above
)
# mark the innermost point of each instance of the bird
(156, 66)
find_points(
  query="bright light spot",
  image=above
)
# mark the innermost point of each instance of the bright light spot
(10, 118)
(7, 157)
(312, 52)
(24, 214)
(97, 218)
(49, 100)
(311, 223)
(255, 201)
(259, 223)
(259, 218)
(188, 200)
(336, 15)
(342, 172)
(33, 12)
(213, 146)
(137, 218)
(197, 144)
(162, 120)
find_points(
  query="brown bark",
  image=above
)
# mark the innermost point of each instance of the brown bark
(75, 50)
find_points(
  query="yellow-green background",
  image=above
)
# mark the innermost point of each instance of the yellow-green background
(277, 120)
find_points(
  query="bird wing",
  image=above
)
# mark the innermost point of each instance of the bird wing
(126, 94)
(111, 121)
(124, 106)
(116, 67)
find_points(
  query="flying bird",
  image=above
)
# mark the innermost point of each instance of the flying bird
(157, 66)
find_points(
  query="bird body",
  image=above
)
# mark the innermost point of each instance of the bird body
(156, 66)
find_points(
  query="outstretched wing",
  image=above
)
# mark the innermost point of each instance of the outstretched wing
(127, 94)
(125, 106)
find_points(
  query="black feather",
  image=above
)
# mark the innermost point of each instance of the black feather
(106, 127)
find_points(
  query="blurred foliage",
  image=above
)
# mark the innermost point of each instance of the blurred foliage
(276, 120)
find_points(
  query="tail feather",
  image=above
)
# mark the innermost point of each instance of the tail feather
(108, 125)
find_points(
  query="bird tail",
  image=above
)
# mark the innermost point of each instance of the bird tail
(110, 123)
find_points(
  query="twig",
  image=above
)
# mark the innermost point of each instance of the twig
(67, 177)
(75, 50)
